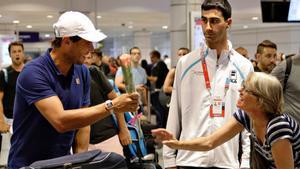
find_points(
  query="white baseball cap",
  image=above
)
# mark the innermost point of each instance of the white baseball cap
(73, 23)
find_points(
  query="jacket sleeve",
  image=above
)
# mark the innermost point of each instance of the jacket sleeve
(245, 159)
(174, 119)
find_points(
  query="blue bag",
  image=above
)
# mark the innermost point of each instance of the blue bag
(138, 148)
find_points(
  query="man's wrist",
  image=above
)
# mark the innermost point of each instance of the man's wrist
(109, 106)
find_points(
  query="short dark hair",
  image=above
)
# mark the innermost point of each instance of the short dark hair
(155, 53)
(56, 43)
(98, 52)
(184, 48)
(16, 43)
(222, 5)
(135, 47)
(265, 44)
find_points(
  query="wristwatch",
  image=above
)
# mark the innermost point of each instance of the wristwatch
(109, 106)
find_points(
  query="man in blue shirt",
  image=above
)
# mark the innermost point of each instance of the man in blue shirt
(139, 74)
(51, 93)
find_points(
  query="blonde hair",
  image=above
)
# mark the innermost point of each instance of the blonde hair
(268, 90)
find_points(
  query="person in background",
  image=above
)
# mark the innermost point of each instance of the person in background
(290, 83)
(146, 66)
(204, 94)
(104, 135)
(280, 57)
(242, 51)
(53, 93)
(97, 61)
(113, 66)
(105, 59)
(266, 54)
(276, 135)
(159, 72)
(138, 73)
(8, 80)
(168, 84)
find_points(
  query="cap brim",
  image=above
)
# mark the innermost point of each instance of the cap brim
(95, 36)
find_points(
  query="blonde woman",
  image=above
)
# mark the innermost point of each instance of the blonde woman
(276, 136)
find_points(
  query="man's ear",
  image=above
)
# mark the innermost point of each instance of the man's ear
(229, 22)
(66, 40)
(257, 56)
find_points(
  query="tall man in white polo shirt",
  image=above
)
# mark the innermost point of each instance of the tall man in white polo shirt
(205, 93)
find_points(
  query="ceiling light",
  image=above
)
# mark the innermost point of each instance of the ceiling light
(130, 27)
(49, 16)
(16, 21)
(99, 17)
(29, 26)
(165, 27)
(47, 35)
(245, 27)
(0, 15)
(255, 18)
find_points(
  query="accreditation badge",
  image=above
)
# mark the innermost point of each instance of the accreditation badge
(217, 108)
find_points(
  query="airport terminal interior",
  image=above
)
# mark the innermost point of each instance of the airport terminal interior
(145, 29)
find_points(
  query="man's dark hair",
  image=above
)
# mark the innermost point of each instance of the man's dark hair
(16, 43)
(135, 47)
(98, 52)
(184, 48)
(222, 5)
(56, 43)
(265, 44)
(155, 53)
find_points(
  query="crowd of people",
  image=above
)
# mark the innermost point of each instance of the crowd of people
(215, 109)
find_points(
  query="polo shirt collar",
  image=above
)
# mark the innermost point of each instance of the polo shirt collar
(57, 71)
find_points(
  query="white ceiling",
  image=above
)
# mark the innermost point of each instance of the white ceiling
(117, 15)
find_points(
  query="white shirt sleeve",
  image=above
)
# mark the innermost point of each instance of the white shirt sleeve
(174, 118)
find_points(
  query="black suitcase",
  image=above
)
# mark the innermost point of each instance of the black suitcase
(149, 139)
(88, 160)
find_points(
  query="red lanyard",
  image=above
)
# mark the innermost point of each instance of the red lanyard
(205, 71)
(208, 87)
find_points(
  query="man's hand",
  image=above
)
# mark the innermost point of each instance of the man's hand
(4, 127)
(140, 88)
(124, 137)
(126, 103)
(165, 137)
(162, 134)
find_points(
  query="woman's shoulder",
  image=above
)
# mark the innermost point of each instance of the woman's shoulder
(280, 127)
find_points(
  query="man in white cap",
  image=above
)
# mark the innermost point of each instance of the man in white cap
(52, 91)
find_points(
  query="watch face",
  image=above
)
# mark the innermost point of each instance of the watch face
(109, 104)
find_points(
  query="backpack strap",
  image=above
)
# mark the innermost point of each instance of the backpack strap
(5, 75)
(287, 71)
